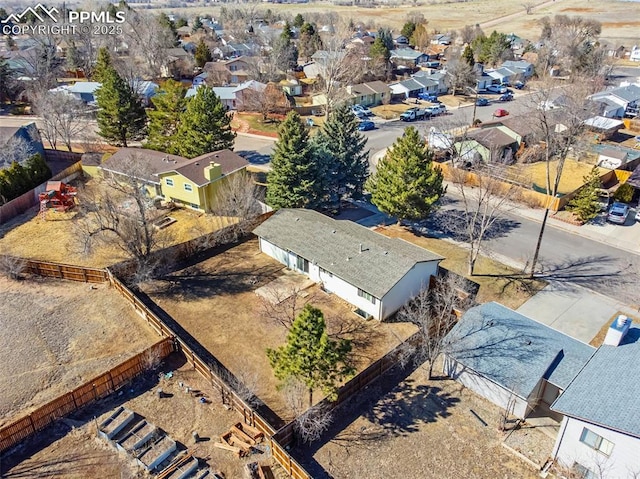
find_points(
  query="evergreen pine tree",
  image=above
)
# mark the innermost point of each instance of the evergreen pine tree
(37, 170)
(467, 56)
(203, 54)
(169, 103)
(344, 147)
(408, 29)
(286, 34)
(310, 356)
(585, 204)
(298, 21)
(295, 179)
(310, 41)
(197, 24)
(384, 34)
(406, 183)
(379, 51)
(103, 63)
(121, 116)
(205, 126)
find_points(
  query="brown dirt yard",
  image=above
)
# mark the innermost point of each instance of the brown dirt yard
(214, 300)
(421, 429)
(72, 449)
(57, 334)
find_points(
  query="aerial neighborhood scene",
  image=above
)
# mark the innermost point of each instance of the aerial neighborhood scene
(337, 239)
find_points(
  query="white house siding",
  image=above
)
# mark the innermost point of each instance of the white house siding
(331, 283)
(410, 285)
(486, 388)
(622, 462)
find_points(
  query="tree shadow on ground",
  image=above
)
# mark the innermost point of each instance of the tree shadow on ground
(254, 157)
(394, 405)
(408, 406)
(450, 223)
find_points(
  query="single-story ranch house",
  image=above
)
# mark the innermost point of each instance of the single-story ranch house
(376, 274)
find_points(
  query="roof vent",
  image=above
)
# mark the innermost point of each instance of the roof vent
(334, 231)
(617, 330)
(297, 219)
(361, 250)
(348, 258)
(197, 163)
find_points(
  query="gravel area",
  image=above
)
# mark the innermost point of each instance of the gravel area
(57, 334)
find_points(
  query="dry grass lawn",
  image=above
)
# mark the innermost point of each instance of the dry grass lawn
(422, 429)
(57, 334)
(497, 282)
(215, 302)
(572, 178)
(79, 454)
(57, 239)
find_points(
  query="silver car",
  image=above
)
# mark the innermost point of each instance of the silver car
(618, 213)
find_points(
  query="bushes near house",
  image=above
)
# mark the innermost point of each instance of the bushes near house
(585, 204)
(624, 193)
(18, 179)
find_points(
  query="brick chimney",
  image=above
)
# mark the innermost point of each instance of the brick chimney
(617, 330)
(213, 171)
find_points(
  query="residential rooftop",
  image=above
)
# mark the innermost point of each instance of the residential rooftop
(606, 390)
(358, 255)
(515, 351)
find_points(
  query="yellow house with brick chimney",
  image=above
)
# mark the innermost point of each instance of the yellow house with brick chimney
(192, 183)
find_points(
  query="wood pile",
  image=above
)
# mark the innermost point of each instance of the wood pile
(240, 439)
(256, 470)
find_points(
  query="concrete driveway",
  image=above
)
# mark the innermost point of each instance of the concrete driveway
(573, 310)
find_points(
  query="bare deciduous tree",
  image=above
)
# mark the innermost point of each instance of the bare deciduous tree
(238, 197)
(433, 311)
(557, 115)
(459, 74)
(11, 266)
(63, 117)
(269, 101)
(17, 149)
(150, 39)
(281, 306)
(528, 7)
(485, 200)
(311, 424)
(119, 211)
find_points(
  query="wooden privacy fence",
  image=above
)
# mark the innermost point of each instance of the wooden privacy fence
(22, 203)
(227, 395)
(98, 388)
(66, 271)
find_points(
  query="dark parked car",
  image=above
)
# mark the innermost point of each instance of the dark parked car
(482, 102)
(366, 125)
(428, 97)
(519, 85)
(506, 96)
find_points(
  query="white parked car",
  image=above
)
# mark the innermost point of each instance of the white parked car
(497, 89)
(618, 213)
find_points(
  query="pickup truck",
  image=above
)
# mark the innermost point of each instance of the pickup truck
(413, 114)
(436, 110)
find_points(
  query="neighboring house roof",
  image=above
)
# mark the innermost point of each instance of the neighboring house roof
(145, 88)
(517, 65)
(406, 54)
(614, 153)
(194, 169)
(250, 84)
(628, 93)
(85, 87)
(359, 256)
(150, 164)
(515, 351)
(177, 52)
(224, 92)
(492, 138)
(519, 124)
(602, 123)
(500, 73)
(370, 87)
(606, 390)
(7, 132)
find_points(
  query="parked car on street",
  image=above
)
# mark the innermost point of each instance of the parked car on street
(500, 112)
(436, 110)
(519, 85)
(618, 213)
(497, 89)
(482, 102)
(366, 125)
(362, 109)
(506, 97)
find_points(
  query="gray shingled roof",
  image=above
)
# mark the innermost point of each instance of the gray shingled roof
(334, 245)
(606, 390)
(515, 351)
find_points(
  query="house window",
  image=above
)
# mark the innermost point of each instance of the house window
(188, 187)
(596, 442)
(194, 206)
(169, 181)
(583, 472)
(302, 264)
(367, 296)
